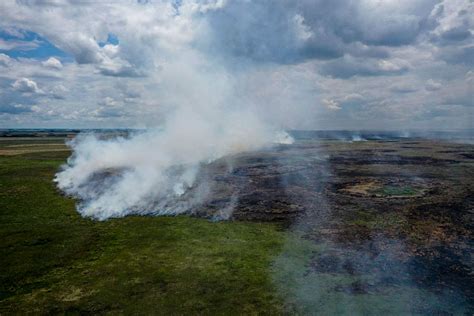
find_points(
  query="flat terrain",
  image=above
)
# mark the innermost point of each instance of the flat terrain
(54, 261)
(317, 227)
(391, 221)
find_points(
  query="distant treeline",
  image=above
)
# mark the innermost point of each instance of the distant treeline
(61, 132)
(344, 135)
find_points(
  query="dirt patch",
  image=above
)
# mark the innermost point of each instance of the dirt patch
(391, 189)
(362, 188)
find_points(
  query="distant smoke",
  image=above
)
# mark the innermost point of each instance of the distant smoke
(358, 138)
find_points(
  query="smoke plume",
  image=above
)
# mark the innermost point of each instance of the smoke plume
(148, 172)
(201, 118)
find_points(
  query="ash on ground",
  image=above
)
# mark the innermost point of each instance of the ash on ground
(389, 214)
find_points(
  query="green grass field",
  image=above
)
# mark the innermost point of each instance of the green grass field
(390, 190)
(54, 261)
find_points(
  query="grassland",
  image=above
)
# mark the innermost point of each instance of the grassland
(54, 261)
(387, 231)
(396, 191)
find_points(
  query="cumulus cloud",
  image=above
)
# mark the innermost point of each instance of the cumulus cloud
(59, 92)
(432, 85)
(5, 60)
(26, 85)
(290, 31)
(454, 22)
(53, 62)
(331, 104)
(281, 55)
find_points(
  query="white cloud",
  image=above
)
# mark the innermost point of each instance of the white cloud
(453, 15)
(53, 62)
(432, 85)
(394, 65)
(109, 101)
(5, 60)
(17, 45)
(26, 85)
(331, 104)
(59, 92)
(281, 58)
(35, 108)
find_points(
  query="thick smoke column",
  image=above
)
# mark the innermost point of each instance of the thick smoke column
(149, 171)
(203, 112)
(203, 119)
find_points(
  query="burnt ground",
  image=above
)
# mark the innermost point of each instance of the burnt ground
(399, 210)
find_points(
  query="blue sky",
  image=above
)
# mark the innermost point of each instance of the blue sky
(369, 64)
(28, 44)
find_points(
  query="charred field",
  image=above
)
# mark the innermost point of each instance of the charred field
(384, 218)
(322, 226)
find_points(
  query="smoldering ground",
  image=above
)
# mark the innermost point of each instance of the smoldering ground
(386, 234)
(375, 226)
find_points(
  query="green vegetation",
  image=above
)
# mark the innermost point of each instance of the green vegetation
(391, 190)
(311, 292)
(54, 261)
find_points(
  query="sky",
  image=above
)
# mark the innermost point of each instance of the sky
(300, 64)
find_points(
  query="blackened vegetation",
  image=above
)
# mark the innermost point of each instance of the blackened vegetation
(399, 211)
(273, 185)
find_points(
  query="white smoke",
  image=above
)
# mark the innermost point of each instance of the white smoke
(203, 113)
(148, 172)
(203, 119)
(358, 138)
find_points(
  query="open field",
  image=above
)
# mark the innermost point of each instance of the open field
(54, 261)
(325, 227)
(391, 221)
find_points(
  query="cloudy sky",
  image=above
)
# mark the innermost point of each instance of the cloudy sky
(307, 64)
